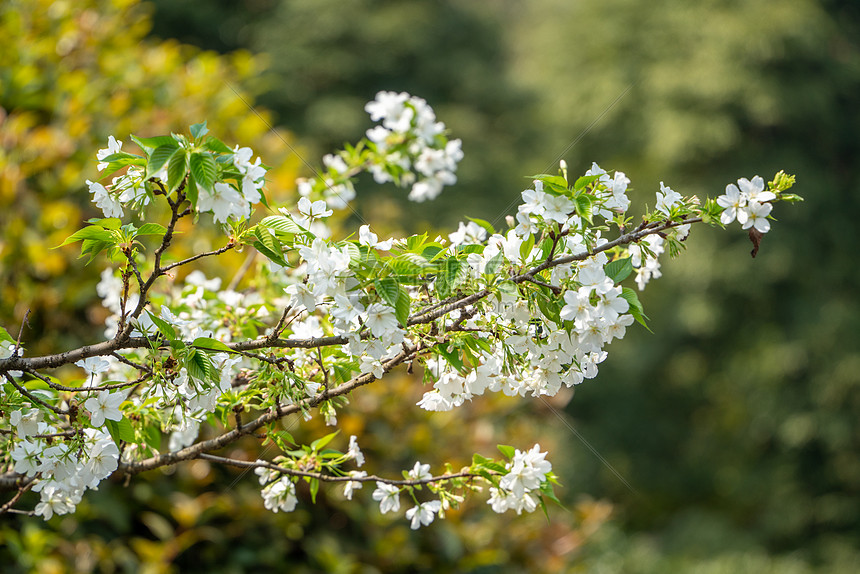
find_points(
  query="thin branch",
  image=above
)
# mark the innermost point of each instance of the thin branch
(219, 251)
(21, 490)
(329, 478)
(272, 415)
(553, 288)
(21, 333)
(34, 398)
(282, 324)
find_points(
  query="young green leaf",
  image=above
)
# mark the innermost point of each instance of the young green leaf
(320, 443)
(149, 144)
(92, 232)
(402, 306)
(269, 246)
(282, 225)
(619, 269)
(388, 289)
(199, 130)
(209, 344)
(203, 169)
(120, 430)
(507, 451)
(636, 308)
(200, 366)
(176, 170)
(163, 326)
(159, 157)
(449, 276)
(151, 229)
(214, 144)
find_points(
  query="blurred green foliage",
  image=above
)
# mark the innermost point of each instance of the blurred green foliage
(735, 423)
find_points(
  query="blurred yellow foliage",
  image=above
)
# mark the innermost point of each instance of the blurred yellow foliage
(71, 74)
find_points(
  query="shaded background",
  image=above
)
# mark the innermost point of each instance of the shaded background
(734, 425)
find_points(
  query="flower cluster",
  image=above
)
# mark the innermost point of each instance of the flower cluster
(65, 469)
(411, 141)
(279, 492)
(134, 189)
(423, 513)
(518, 489)
(750, 204)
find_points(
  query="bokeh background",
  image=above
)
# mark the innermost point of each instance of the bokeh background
(734, 425)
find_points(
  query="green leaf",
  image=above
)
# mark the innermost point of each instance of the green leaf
(152, 437)
(453, 356)
(149, 144)
(315, 487)
(92, 232)
(401, 307)
(408, 265)
(431, 252)
(120, 430)
(527, 246)
(214, 144)
(507, 451)
(388, 289)
(159, 157)
(494, 263)
(5, 336)
(619, 269)
(176, 170)
(555, 182)
(93, 247)
(203, 169)
(415, 242)
(282, 224)
(122, 159)
(163, 326)
(281, 438)
(209, 344)
(549, 307)
(200, 366)
(585, 180)
(269, 246)
(493, 465)
(584, 206)
(106, 223)
(199, 130)
(636, 308)
(448, 276)
(469, 248)
(353, 251)
(546, 490)
(151, 229)
(320, 443)
(508, 287)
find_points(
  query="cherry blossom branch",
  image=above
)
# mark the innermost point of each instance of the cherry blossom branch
(34, 398)
(218, 251)
(330, 478)
(425, 316)
(272, 415)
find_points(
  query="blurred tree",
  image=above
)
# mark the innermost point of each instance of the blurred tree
(737, 423)
(329, 57)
